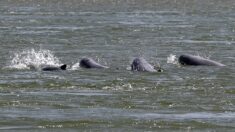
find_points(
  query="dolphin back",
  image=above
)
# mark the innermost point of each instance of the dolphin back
(54, 68)
(90, 63)
(187, 59)
(140, 64)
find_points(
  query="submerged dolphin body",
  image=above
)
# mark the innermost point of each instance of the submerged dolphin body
(90, 63)
(140, 64)
(54, 68)
(188, 59)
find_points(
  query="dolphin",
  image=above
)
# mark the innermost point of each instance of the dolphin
(187, 59)
(140, 64)
(54, 68)
(90, 63)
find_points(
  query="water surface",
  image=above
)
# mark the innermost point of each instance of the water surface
(114, 33)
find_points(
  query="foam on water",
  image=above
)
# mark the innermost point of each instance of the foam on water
(172, 59)
(75, 66)
(33, 59)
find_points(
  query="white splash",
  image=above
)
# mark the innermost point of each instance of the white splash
(75, 66)
(32, 58)
(172, 59)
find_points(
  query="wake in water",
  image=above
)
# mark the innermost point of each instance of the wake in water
(33, 59)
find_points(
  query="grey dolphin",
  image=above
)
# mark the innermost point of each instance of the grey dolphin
(187, 59)
(90, 63)
(54, 68)
(140, 64)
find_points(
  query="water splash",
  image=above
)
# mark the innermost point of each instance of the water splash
(172, 59)
(75, 66)
(32, 58)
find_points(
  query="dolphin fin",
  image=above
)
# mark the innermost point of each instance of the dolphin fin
(63, 67)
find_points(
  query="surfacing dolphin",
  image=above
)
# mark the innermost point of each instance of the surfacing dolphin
(90, 63)
(140, 64)
(187, 59)
(54, 68)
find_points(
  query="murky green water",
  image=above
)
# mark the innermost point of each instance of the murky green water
(113, 32)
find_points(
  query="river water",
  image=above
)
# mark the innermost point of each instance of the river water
(114, 32)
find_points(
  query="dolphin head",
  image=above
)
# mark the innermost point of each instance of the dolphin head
(85, 63)
(185, 59)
